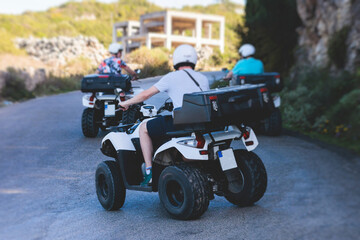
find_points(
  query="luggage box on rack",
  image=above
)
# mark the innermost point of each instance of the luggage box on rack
(223, 107)
(105, 83)
(272, 80)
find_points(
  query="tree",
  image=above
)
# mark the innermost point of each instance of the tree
(271, 27)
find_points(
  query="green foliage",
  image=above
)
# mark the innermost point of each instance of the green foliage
(154, 61)
(6, 44)
(149, 70)
(144, 55)
(54, 85)
(337, 47)
(216, 58)
(14, 88)
(271, 27)
(78, 66)
(219, 84)
(323, 103)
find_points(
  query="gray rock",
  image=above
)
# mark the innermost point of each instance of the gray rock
(59, 50)
(321, 19)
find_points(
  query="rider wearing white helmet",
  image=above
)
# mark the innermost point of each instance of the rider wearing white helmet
(248, 64)
(115, 64)
(175, 84)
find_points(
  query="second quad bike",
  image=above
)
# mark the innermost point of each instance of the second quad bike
(102, 104)
(196, 161)
(272, 125)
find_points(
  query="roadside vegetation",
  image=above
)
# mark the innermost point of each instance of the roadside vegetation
(15, 89)
(154, 62)
(321, 103)
(324, 106)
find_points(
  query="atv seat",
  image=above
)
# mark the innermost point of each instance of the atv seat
(180, 133)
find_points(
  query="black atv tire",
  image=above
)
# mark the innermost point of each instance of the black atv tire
(131, 115)
(184, 191)
(254, 179)
(110, 188)
(272, 125)
(88, 123)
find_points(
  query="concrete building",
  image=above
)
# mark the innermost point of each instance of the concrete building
(170, 29)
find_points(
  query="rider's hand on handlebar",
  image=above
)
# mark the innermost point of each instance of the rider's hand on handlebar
(123, 106)
(134, 78)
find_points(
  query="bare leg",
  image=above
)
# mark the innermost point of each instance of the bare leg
(146, 144)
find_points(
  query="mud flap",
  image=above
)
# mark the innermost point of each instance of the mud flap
(230, 168)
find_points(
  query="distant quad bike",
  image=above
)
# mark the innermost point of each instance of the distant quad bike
(102, 109)
(271, 125)
(197, 160)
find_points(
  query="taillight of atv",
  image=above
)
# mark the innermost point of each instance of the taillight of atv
(91, 99)
(242, 80)
(198, 142)
(212, 98)
(265, 94)
(246, 136)
(277, 79)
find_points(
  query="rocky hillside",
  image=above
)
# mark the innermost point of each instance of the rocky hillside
(330, 33)
(60, 50)
(61, 56)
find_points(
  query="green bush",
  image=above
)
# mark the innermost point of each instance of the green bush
(323, 103)
(14, 88)
(54, 85)
(6, 43)
(337, 47)
(219, 84)
(346, 115)
(155, 61)
(216, 59)
(143, 55)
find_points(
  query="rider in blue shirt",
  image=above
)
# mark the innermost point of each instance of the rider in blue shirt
(248, 64)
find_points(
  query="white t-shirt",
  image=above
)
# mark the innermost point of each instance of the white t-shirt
(177, 83)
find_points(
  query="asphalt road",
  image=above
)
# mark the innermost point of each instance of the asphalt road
(47, 188)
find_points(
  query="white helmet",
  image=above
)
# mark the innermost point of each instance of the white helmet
(114, 48)
(184, 55)
(247, 50)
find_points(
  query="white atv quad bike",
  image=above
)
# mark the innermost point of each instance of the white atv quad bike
(101, 102)
(197, 160)
(271, 125)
